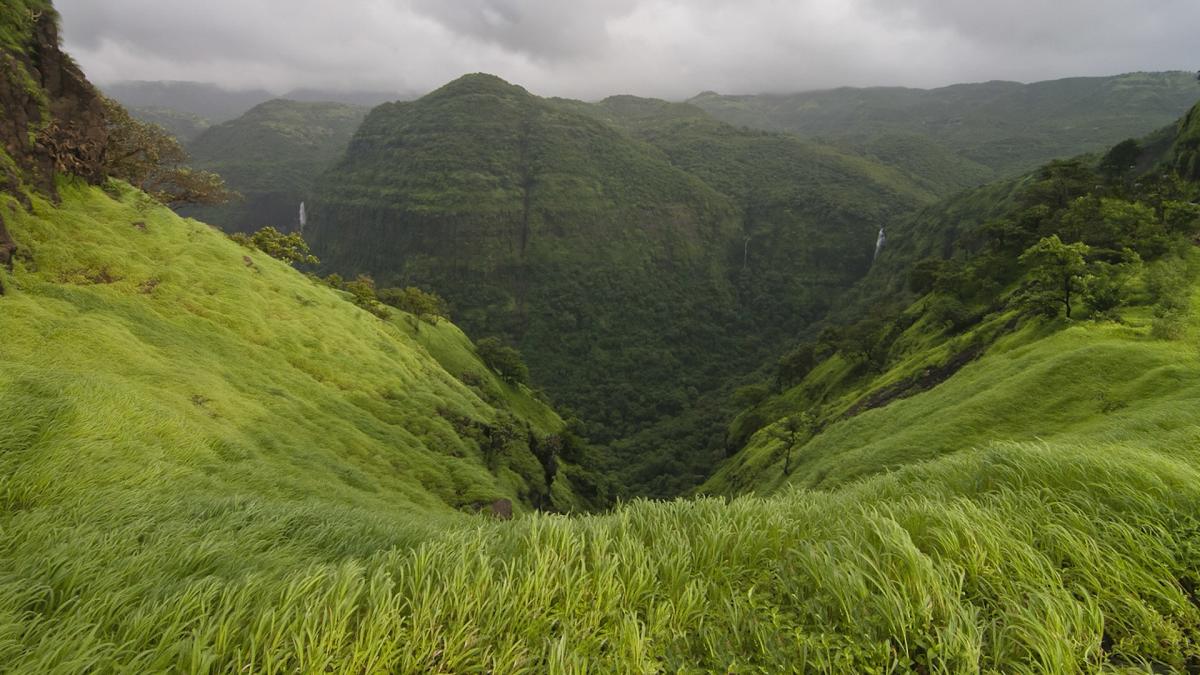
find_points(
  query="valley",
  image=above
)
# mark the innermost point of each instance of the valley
(539, 384)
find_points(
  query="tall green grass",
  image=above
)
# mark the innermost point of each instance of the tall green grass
(238, 471)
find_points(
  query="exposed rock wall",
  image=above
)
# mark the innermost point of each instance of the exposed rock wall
(53, 119)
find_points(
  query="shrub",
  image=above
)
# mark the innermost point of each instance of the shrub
(794, 366)
(948, 312)
(503, 359)
(750, 395)
(422, 305)
(1168, 323)
(290, 248)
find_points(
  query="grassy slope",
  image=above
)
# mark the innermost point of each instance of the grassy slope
(1004, 126)
(262, 531)
(272, 155)
(165, 356)
(266, 527)
(1088, 384)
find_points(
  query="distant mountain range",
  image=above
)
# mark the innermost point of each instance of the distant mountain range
(999, 128)
(216, 104)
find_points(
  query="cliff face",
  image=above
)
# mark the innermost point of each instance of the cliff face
(53, 118)
(1187, 146)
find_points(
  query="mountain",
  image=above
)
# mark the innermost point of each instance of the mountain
(217, 104)
(634, 275)
(210, 462)
(1006, 127)
(273, 156)
(183, 126)
(954, 283)
(198, 99)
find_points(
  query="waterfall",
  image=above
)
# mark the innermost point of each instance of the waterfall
(879, 244)
(304, 218)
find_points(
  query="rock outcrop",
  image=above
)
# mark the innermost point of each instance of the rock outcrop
(53, 119)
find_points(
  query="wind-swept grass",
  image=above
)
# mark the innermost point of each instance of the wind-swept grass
(234, 470)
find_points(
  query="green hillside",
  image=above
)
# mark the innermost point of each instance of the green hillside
(1007, 127)
(1099, 237)
(267, 480)
(183, 126)
(207, 101)
(273, 156)
(639, 261)
(213, 463)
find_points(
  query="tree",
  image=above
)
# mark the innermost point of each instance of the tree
(290, 248)
(1055, 271)
(1059, 183)
(423, 306)
(1105, 288)
(924, 275)
(148, 157)
(796, 365)
(503, 359)
(1121, 160)
(789, 431)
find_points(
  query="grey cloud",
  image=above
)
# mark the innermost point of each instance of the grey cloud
(592, 48)
(541, 29)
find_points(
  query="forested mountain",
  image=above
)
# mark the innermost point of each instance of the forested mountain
(272, 156)
(638, 269)
(183, 126)
(217, 104)
(199, 99)
(210, 462)
(993, 129)
(1108, 237)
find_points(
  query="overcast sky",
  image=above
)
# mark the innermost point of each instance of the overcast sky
(593, 48)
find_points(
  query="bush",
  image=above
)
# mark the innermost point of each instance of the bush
(1104, 290)
(505, 360)
(290, 248)
(1167, 284)
(948, 312)
(750, 395)
(1169, 323)
(424, 306)
(794, 366)
(362, 292)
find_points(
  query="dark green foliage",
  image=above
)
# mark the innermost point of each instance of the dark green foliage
(273, 155)
(183, 126)
(1121, 161)
(641, 255)
(1004, 128)
(148, 157)
(1070, 236)
(796, 364)
(424, 306)
(1185, 153)
(1055, 272)
(1106, 288)
(362, 292)
(290, 248)
(790, 431)
(503, 359)
(750, 395)
(949, 312)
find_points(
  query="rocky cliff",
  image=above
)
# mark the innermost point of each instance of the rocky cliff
(53, 117)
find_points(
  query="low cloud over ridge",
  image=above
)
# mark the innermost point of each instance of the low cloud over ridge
(592, 48)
